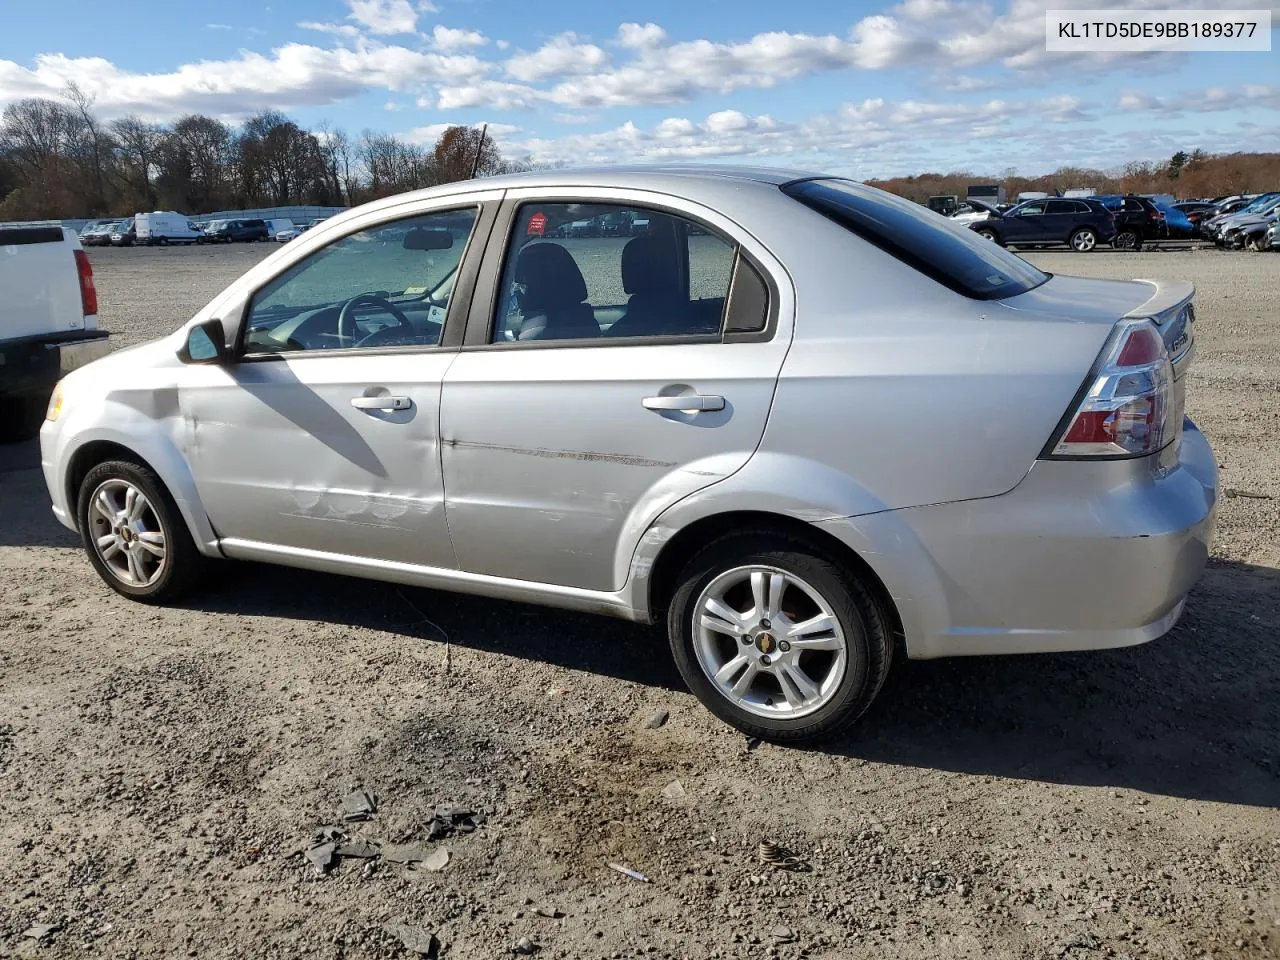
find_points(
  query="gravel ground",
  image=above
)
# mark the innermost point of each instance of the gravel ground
(160, 768)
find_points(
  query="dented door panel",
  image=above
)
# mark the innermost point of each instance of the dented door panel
(282, 457)
(549, 454)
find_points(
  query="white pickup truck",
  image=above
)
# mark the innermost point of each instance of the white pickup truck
(48, 320)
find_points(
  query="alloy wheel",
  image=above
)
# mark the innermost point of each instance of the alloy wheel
(126, 533)
(770, 643)
(1083, 241)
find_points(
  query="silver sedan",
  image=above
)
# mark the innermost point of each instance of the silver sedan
(806, 425)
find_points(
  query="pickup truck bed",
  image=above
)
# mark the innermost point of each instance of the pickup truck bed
(48, 320)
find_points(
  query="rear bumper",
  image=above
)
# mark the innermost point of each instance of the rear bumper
(32, 365)
(1078, 556)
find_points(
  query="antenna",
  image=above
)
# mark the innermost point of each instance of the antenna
(475, 164)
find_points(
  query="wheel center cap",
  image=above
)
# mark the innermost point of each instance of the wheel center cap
(765, 643)
(126, 535)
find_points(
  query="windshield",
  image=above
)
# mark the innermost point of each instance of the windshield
(946, 252)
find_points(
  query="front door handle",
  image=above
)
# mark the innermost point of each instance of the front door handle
(381, 403)
(687, 403)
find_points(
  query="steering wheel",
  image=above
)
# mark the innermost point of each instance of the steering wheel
(347, 320)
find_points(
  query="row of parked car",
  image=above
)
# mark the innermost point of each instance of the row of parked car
(1246, 223)
(163, 228)
(1124, 222)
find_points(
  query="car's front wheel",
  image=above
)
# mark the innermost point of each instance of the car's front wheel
(1084, 240)
(133, 533)
(776, 638)
(988, 234)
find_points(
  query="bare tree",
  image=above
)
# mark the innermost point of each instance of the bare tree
(137, 151)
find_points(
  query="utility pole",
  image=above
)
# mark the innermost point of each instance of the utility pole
(475, 164)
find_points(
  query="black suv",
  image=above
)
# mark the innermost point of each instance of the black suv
(1081, 224)
(234, 231)
(1138, 220)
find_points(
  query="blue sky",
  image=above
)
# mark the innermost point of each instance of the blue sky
(866, 89)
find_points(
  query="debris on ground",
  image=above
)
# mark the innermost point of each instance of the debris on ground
(1083, 941)
(41, 931)
(674, 790)
(359, 849)
(549, 912)
(449, 819)
(417, 939)
(358, 805)
(779, 857)
(438, 860)
(628, 872)
(1232, 493)
(404, 854)
(525, 947)
(321, 856)
(658, 719)
(782, 934)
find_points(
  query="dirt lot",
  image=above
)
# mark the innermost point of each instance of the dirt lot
(159, 769)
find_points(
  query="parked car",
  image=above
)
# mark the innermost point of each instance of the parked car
(125, 233)
(660, 443)
(98, 235)
(1195, 211)
(1081, 224)
(972, 211)
(236, 231)
(48, 320)
(1253, 234)
(1137, 219)
(163, 227)
(1212, 229)
(278, 225)
(1233, 232)
(1271, 239)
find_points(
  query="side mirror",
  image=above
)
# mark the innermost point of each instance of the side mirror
(420, 238)
(206, 343)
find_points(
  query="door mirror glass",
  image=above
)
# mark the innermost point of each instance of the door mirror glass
(206, 343)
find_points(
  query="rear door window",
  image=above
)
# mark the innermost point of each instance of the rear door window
(952, 255)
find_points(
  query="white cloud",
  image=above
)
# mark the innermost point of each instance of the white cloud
(293, 75)
(218, 26)
(574, 119)
(386, 17)
(1209, 100)
(428, 135)
(635, 36)
(340, 29)
(448, 38)
(562, 55)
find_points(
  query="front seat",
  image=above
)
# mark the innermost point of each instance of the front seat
(650, 276)
(552, 300)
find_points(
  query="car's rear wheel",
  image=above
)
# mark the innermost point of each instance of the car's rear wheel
(135, 537)
(1084, 240)
(1127, 240)
(776, 638)
(988, 234)
(1255, 243)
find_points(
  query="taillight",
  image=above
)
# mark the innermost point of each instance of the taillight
(1125, 410)
(88, 292)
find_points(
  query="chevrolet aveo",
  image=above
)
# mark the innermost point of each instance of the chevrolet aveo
(804, 423)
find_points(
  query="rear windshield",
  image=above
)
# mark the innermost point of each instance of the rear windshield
(950, 254)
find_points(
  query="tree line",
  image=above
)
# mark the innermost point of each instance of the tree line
(1185, 175)
(58, 160)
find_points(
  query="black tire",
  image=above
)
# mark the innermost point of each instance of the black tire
(183, 563)
(1127, 240)
(865, 624)
(21, 418)
(988, 234)
(1083, 240)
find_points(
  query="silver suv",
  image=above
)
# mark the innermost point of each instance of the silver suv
(805, 424)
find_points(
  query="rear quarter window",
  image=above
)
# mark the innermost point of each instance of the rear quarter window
(950, 254)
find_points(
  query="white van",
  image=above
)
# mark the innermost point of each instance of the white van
(278, 225)
(163, 227)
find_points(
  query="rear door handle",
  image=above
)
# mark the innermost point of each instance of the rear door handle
(689, 403)
(381, 403)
